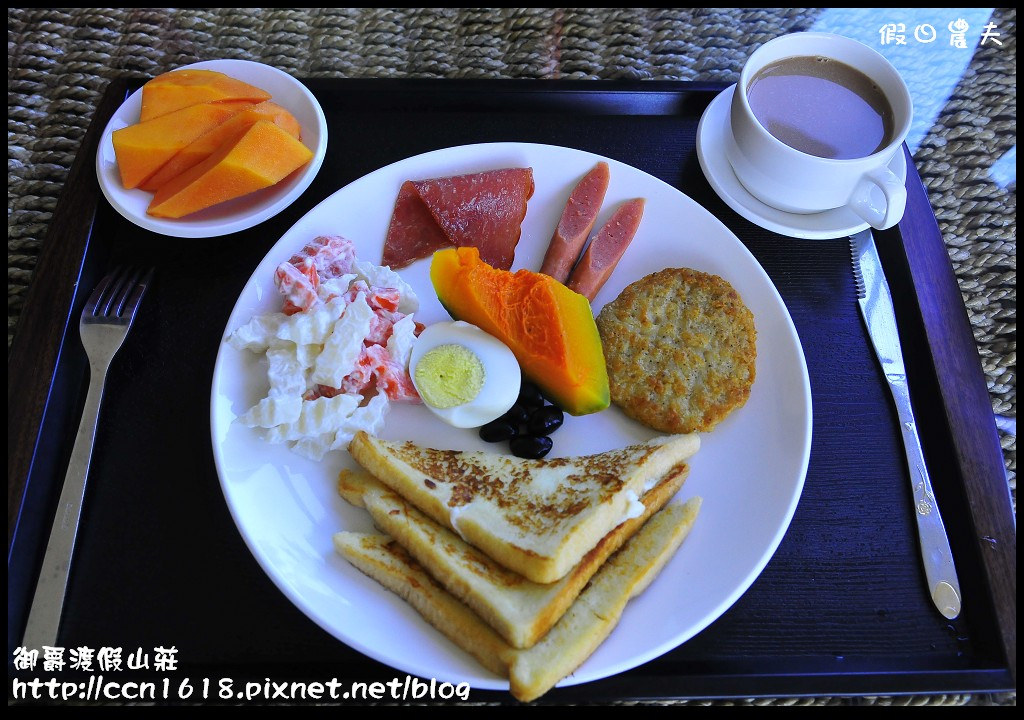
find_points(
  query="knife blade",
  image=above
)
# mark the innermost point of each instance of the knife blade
(876, 307)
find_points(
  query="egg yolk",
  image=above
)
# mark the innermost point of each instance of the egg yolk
(449, 376)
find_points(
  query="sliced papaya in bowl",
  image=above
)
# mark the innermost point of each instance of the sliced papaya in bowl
(262, 157)
(179, 89)
(142, 149)
(227, 133)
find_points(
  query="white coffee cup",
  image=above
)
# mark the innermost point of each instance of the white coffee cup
(794, 181)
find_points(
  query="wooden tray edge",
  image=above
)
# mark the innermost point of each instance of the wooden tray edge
(968, 409)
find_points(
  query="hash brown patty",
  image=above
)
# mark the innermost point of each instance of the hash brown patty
(681, 347)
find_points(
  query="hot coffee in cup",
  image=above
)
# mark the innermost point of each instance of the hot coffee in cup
(815, 121)
(822, 107)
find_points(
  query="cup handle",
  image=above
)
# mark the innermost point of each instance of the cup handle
(864, 201)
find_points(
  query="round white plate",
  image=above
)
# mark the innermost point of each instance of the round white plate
(234, 215)
(750, 469)
(713, 134)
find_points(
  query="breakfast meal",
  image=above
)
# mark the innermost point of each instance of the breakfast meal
(227, 133)
(578, 219)
(527, 565)
(822, 106)
(338, 351)
(484, 210)
(528, 424)
(519, 610)
(586, 272)
(584, 626)
(525, 562)
(204, 138)
(464, 376)
(536, 517)
(681, 350)
(606, 249)
(143, 148)
(549, 328)
(182, 88)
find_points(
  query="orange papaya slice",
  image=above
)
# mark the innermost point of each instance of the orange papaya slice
(227, 132)
(549, 328)
(143, 148)
(263, 156)
(182, 88)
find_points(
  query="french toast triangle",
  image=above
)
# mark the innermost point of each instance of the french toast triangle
(535, 517)
(586, 624)
(519, 610)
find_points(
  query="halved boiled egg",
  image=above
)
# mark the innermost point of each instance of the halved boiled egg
(466, 376)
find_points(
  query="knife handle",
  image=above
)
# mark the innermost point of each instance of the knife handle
(938, 558)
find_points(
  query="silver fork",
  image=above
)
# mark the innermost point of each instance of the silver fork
(105, 322)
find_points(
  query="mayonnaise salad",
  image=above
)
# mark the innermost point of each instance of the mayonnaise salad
(338, 351)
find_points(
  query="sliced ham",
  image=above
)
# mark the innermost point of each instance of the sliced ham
(577, 221)
(413, 233)
(606, 249)
(485, 210)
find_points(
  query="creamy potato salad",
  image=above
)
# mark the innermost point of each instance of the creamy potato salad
(337, 352)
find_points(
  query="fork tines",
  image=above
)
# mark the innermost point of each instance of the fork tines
(118, 292)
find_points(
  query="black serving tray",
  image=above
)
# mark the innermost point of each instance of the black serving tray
(841, 609)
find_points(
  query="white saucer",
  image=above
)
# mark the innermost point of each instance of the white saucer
(712, 136)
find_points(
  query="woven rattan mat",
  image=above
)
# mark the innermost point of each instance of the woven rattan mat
(60, 61)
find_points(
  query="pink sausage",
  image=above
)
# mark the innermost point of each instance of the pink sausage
(577, 221)
(606, 249)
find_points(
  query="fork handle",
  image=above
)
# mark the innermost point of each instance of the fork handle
(939, 570)
(48, 601)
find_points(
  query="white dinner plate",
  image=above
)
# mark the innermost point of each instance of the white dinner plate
(749, 471)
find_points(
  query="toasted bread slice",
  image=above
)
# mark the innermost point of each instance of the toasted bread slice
(520, 611)
(596, 612)
(534, 671)
(535, 517)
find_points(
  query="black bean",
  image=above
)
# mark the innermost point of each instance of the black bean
(545, 420)
(498, 430)
(529, 396)
(516, 415)
(532, 448)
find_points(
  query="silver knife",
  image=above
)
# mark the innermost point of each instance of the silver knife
(876, 306)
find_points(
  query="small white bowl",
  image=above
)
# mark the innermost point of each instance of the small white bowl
(240, 213)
